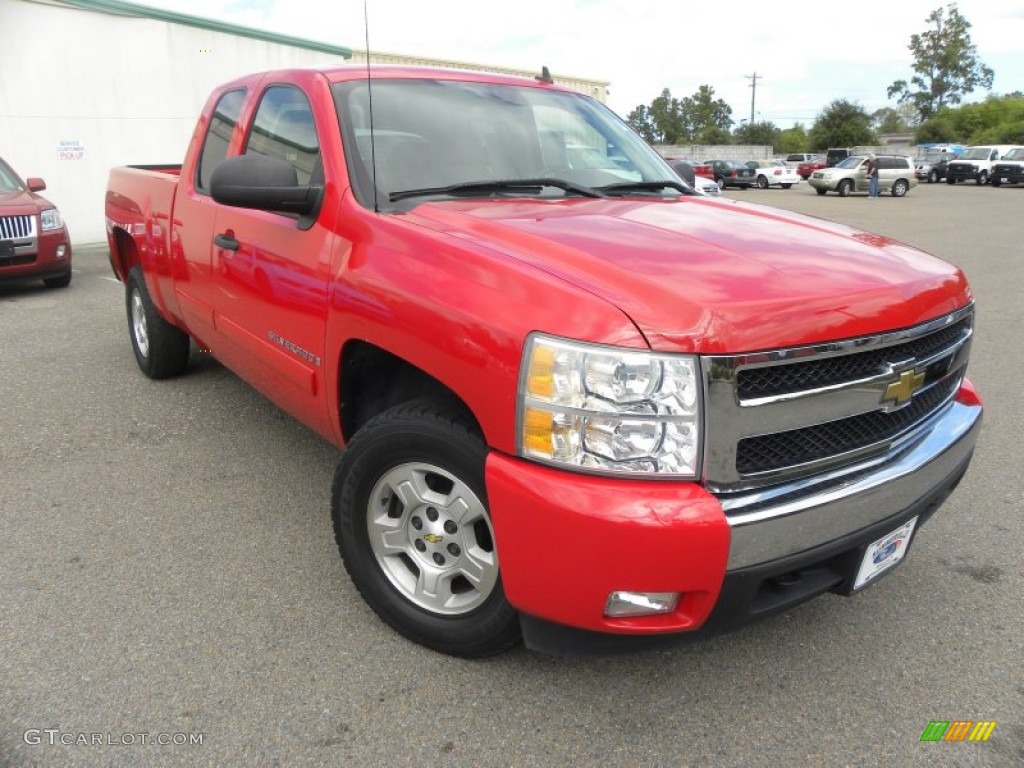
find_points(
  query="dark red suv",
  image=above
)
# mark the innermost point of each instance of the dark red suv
(34, 242)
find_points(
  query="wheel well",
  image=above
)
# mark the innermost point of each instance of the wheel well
(373, 380)
(124, 255)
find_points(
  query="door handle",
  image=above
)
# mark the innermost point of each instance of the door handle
(226, 241)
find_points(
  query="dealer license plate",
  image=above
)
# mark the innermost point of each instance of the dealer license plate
(883, 554)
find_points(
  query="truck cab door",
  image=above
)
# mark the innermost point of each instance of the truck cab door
(271, 270)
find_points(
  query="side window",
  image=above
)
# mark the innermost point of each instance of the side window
(218, 136)
(283, 128)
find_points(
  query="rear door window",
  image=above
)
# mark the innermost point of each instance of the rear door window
(218, 136)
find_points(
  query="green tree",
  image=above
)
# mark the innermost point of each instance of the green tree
(703, 113)
(764, 133)
(946, 65)
(640, 121)
(936, 130)
(793, 140)
(666, 113)
(899, 120)
(841, 124)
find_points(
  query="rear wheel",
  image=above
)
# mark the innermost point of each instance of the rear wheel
(720, 181)
(845, 188)
(933, 176)
(762, 182)
(412, 524)
(161, 350)
(950, 180)
(900, 187)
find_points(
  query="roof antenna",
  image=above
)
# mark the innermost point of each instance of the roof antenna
(369, 97)
(545, 76)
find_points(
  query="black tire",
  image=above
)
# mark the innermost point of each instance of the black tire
(933, 176)
(762, 182)
(410, 440)
(950, 180)
(161, 350)
(996, 181)
(61, 281)
(820, 191)
(900, 187)
(720, 181)
(845, 188)
(982, 178)
(785, 186)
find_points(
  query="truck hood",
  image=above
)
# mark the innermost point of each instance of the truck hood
(715, 276)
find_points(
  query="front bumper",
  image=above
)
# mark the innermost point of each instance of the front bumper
(38, 260)
(565, 541)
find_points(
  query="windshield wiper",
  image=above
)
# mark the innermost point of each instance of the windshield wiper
(644, 186)
(472, 188)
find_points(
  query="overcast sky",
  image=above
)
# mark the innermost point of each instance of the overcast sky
(805, 52)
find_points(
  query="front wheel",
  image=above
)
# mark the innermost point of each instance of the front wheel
(996, 181)
(933, 176)
(61, 281)
(900, 187)
(785, 186)
(982, 178)
(845, 188)
(161, 350)
(414, 530)
(820, 191)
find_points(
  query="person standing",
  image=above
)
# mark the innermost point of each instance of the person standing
(872, 168)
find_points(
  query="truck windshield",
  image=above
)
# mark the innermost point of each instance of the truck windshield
(441, 134)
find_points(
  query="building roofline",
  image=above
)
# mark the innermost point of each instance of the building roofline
(120, 7)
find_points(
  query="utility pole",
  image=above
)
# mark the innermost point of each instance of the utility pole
(753, 92)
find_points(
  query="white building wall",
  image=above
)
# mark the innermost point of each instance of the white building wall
(93, 90)
(83, 91)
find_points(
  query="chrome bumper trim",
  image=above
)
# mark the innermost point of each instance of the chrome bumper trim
(783, 520)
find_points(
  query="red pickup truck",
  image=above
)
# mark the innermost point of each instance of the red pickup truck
(581, 406)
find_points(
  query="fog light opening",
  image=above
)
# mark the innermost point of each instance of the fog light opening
(61, 250)
(640, 603)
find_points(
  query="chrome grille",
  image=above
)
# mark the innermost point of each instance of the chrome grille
(781, 379)
(784, 415)
(17, 227)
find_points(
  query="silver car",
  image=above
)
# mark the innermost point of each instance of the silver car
(895, 175)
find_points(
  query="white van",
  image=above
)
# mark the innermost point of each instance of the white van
(976, 163)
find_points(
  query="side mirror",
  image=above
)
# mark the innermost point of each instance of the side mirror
(35, 184)
(263, 183)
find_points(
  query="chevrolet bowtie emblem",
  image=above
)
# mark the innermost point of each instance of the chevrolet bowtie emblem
(899, 392)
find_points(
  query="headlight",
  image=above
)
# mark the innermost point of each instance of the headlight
(50, 219)
(608, 409)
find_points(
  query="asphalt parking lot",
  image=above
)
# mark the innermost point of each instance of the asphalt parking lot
(168, 569)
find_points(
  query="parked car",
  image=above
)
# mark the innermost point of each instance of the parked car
(835, 155)
(1009, 170)
(729, 173)
(34, 242)
(932, 167)
(976, 163)
(794, 159)
(807, 167)
(688, 173)
(895, 175)
(773, 173)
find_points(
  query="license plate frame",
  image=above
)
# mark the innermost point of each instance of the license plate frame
(884, 554)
